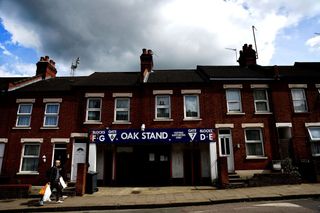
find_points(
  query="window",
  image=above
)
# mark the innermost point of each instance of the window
(30, 158)
(254, 142)
(233, 100)
(261, 103)
(163, 107)
(314, 134)
(94, 109)
(51, 114)
(2, 145)
(299, 100)
(191, 106)
(122, 109)
(24, 115)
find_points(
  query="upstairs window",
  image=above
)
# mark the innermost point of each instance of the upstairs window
(191, 107)
(122, 109)
(254, 142)
(51, 115)
(261, 103)
(299, 100)
(30, 157)
(234, 100)
(93, 109)
(24, 115)
(163, 107)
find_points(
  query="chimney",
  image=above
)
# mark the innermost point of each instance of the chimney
(247, 56)
(46, 67)
(146, 63)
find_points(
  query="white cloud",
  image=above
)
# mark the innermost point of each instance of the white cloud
(314, 42)
(21, 34)
(182, 33)
(17, 69)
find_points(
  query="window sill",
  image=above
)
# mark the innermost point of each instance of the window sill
(302, 112)
(18, 127)
(236, 113)
(27, 173)
(48, 127)
(121, 122)
(256, 158)
(192, 119)
(164, 119)
(263, 113)
(92, 122)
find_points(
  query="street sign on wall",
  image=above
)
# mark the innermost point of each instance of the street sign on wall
(180, 135)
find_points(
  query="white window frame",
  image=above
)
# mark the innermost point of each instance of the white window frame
(24, 114)
(93, 109)
(234, 101)
(162, 107)
(121, 109)
(254, 141)
(51, 115)
(184, 107)
(261, 100)
(2, 155)
(31, 156)
(313, 140)
(304, 99)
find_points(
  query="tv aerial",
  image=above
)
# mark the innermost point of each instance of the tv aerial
(74, 66)
(235, 50)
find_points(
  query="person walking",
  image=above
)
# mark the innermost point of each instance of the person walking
(54, 174)
(54, 180)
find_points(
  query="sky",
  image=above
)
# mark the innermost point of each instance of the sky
(108, 35)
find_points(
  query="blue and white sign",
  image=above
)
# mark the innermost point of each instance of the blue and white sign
(182, 135)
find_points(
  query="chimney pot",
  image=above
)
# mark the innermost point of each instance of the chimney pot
(46, 67)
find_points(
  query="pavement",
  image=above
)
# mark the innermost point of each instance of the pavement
(156, 197)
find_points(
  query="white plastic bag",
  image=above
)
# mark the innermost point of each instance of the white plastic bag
(63, 184)
(47, 194)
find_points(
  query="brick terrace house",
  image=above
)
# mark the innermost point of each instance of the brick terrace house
(160, 127)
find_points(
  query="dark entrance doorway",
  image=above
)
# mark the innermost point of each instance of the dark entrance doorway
(192, 166)
(60, 153)
(143, 165)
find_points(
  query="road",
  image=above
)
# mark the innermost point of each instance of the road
(292, 206)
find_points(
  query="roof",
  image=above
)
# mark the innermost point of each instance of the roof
(51, 84)
(110, 79)
(237, 72)
(175, 76)
(4, 82)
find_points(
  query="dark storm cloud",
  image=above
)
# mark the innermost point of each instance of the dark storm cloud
(108, 35)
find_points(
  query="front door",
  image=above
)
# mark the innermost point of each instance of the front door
(226, 148)
(78, 156)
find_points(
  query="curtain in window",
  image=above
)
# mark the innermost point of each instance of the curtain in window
(254, 149)
(25, 108)
(94, 103)
(51, 120)
(30, 158)
(191, 106)
(23, 120)
(93, 115)
(253, 135)
(52, 108)
(122, 103)
(260, 95)
(233, 95)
